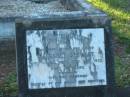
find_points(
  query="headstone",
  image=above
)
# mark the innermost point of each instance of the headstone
(69, 55)
(62, 58)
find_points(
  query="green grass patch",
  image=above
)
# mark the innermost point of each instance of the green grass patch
(9, 88)
(115, 13)
(119, 11)
(119, 4)
(122, 73)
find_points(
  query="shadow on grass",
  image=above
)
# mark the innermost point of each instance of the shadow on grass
(119, 4)
(122, 73)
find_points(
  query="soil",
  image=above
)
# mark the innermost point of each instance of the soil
(120, 51)
(7, 59)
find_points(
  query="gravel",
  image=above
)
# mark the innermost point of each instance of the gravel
(19, 8)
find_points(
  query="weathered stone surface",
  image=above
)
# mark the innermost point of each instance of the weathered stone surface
(21, 8)
(14, 9)
(7, 29)
(52, 10)
(66, 58)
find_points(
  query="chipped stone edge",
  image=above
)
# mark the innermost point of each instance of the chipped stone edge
(80, 13)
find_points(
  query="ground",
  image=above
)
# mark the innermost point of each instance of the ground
(119, 11)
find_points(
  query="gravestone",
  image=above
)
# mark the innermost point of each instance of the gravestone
(65, 54)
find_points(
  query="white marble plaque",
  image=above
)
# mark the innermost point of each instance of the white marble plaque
(66, 58)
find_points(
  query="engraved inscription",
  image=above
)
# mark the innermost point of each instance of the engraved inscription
(66, 58)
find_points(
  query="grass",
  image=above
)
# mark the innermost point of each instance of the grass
(122, 73)
(9, 88)
(119, 11)
(116, 9)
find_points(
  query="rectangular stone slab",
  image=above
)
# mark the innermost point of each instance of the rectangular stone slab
(65, 57)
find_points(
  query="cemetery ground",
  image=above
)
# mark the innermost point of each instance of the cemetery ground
(119, 11)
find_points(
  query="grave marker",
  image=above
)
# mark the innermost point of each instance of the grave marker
(64, 58)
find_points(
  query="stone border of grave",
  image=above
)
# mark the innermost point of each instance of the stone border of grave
(79, 5)
(78, 10)
(69, 4)
(63, 23)
(119, 92)
(8, 21)
(74, 6)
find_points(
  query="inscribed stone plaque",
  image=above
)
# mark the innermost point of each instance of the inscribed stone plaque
(65, 58)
